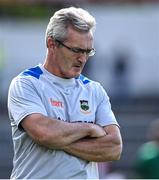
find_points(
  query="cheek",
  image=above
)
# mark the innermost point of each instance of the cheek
(63, 60)
(68, 61)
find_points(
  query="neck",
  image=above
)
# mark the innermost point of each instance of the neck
(49, 64)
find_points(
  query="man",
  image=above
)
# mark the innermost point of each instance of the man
(62, 123)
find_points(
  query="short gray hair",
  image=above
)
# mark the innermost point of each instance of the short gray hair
(78, 18)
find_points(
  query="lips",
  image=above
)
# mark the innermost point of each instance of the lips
(78, 65)
(77, 68)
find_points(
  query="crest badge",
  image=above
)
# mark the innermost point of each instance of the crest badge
(84, 106)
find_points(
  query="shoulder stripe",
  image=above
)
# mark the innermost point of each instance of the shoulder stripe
(84, 79)
(35, 72)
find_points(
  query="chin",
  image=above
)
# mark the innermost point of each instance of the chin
(77, 74)
(73, 74)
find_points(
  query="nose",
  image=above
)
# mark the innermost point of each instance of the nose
(82, 57)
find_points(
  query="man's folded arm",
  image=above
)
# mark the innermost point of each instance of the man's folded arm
(100, 149)
(55, 134)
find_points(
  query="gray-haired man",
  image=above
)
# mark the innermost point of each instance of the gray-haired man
(62, 122)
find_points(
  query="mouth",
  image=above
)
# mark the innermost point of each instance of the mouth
(77, 67)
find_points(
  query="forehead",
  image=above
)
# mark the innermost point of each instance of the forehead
(79, 38)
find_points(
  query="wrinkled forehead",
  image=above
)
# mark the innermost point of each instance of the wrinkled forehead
(79, 38)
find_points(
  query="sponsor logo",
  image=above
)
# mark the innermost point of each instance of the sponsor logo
(56, 103)
(84, 107)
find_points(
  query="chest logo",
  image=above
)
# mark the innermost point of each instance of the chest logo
(56, 103)
(84, 106)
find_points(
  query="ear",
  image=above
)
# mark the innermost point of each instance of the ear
(50, 43)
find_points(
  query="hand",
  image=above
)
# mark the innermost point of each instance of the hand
(97, 131)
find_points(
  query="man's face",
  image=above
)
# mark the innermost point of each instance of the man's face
(70, 64)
